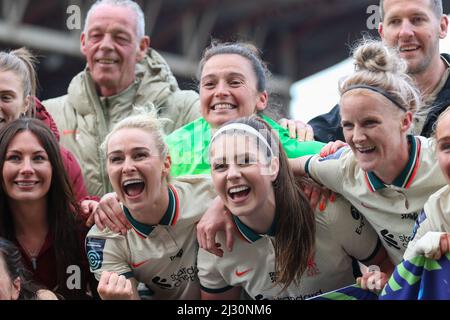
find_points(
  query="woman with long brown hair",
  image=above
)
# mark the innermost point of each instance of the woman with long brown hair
(282, 249)
(38, 211)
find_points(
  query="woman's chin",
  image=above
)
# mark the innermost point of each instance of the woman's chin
(367, 166)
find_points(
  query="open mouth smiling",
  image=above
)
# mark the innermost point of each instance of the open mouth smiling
(238, 192)
(133, 188)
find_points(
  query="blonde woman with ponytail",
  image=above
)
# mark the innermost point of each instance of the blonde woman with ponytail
(18, 84)
(385, 173)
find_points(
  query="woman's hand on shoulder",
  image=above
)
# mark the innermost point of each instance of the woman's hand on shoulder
(216, 218)
(332, 147)
(109, 214)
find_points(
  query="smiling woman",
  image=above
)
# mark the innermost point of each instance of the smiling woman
(386, 173)
(162, 214)
(17, 98)
(49, 237)
(282, 249)
(233, 84)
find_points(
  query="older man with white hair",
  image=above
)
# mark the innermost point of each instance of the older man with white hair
(122, 72)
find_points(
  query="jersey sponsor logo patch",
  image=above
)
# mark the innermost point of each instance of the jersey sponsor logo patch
(94, 251)
(178, 255)
(389, 239)
(335, 156)
(273, 276)
(242, 273)
(356, 215)
(162, 283)
(177, 279)
(410, 216)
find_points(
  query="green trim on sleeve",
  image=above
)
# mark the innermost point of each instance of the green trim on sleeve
(307, 165)
(128, 275)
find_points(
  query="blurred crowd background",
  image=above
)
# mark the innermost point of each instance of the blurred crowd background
(298, 38)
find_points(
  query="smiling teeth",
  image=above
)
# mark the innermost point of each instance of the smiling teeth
(365, 149)
(127, 183)
(105, 61)
(223, 106)
(26, 184)
(238, 189)
(408, 48)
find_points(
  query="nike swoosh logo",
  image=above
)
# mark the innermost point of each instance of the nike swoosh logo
(137, 265)
(243, 273)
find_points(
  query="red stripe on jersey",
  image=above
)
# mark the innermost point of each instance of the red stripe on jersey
(177, 206)
(416, 165)
(366, 176)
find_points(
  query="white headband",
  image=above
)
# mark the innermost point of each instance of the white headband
(245, 128)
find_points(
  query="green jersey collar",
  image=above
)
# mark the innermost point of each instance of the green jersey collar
(406, 177)
(250, 235)
(169, 219)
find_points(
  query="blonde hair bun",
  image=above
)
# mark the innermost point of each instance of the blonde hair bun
(373, 56)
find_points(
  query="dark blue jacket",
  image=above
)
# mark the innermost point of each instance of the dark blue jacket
(327, 127)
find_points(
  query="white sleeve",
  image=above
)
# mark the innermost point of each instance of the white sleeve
(107, 251)
(353, 232)
(211, 279)
(328, 171)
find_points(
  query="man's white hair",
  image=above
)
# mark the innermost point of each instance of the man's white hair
(140, 20)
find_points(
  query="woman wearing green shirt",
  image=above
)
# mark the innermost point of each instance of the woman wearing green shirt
(232, 85)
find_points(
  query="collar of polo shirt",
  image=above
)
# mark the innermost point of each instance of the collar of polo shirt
(406, 177)
(250, 235)
(169, 219)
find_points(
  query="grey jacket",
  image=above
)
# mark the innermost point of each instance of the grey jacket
(84, 119)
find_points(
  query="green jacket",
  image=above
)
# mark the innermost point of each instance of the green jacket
(189, 145)
(84, 119)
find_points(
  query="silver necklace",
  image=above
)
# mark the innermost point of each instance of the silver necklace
(33, 254)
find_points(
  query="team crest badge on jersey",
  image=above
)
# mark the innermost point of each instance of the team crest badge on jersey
(94, 251)
(312, 270)
(335, 156)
